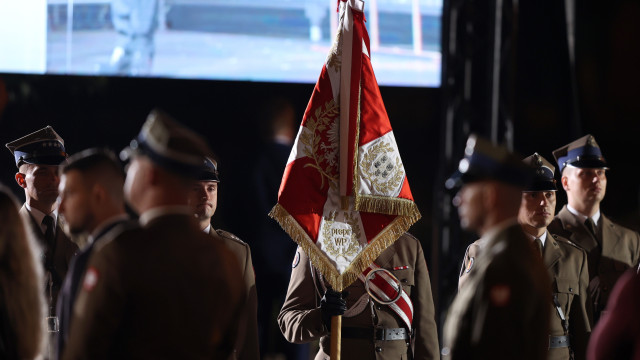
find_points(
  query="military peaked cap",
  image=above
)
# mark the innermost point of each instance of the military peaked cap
(169, 145)
(543, 176)
(209, 171)
(44, 146)
(486, 161)
(582, 153)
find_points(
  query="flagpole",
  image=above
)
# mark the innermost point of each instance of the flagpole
(336, 337)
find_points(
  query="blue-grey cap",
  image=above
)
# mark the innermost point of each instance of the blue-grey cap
(209, 170)
(581, 153)
(44, 147)
(543, 176)
(486, 161)
(169, 145)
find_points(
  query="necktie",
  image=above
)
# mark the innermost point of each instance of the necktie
(48, 258)
(538, 244)
(591, 226)
(48, 233)
(49, 240)
(593, 255)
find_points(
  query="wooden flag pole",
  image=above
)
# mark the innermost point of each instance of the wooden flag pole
(336, 337)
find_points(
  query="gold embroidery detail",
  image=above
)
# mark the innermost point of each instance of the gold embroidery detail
(334, 59)
(378, 167)
(320, 261)
(341, 242)
(323, 125)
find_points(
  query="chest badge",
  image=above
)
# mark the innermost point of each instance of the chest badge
(470, 264)
(296, 260)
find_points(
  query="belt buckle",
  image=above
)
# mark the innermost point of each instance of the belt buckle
(379, 334)
(53, 324)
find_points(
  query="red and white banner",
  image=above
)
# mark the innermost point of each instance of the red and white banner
(344, 196)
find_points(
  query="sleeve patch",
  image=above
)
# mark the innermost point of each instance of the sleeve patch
(470, 264)
(296, 260)
(90, 279)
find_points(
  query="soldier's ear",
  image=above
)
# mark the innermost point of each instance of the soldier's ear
(20, 179)
(489, 194)
(565, 183)
(98, 193)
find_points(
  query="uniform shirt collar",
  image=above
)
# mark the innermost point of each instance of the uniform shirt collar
(38, 216)
(207, 229)
(543, 237)
(583, 217)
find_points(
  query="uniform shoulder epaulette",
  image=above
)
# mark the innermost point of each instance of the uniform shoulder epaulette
(614, 223)
(228, 235)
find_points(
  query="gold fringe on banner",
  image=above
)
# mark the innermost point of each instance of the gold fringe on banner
(380, 243)
(386, 205)
(320, 261)
(300, 236)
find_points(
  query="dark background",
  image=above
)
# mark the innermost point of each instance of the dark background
(108, 111)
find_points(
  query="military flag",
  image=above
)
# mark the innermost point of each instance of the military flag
(344, 196)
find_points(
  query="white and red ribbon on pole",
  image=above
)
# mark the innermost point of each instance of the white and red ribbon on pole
(344, 196)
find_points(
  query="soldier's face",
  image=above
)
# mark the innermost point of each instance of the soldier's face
(537, 208)
(40, 182)
(203, 199)
(470, 204)
(586, 186)
(75, 202)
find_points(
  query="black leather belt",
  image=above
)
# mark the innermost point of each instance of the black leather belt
(375, 334)
(558, 342)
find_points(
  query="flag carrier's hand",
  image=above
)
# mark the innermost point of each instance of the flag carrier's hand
(332, 304)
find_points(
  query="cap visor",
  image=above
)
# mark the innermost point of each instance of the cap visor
(46, 160)
(589, 164)
(541, 186)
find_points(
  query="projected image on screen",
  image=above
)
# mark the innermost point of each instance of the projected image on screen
(248, 40)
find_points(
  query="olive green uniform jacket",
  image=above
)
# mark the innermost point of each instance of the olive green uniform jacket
(301, 321)
(567, 266)
(247, 347)
(502, 311)
(162, 291)
(620, 251)
(64, 249)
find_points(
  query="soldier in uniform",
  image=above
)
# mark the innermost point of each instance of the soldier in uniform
(203, 199)
(164, 290)
(91, 201)
(566, 264)
(370, 330)
(38, 156)
(502, 311)
(611, 248)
